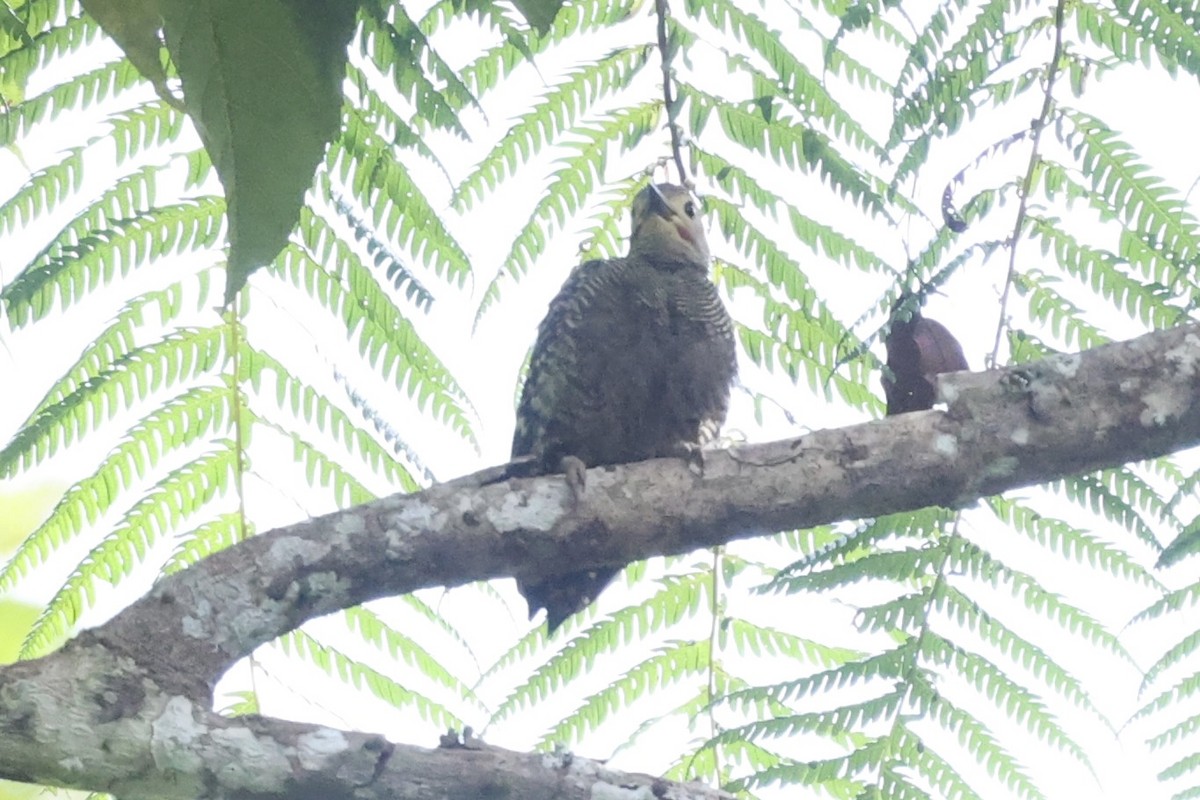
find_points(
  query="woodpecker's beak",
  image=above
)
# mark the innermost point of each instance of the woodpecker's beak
(659, 204)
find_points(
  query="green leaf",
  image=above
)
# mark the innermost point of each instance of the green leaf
(134, 25)
(539, 14)
(263, 83)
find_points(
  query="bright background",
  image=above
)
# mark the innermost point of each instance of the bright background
(479, 635)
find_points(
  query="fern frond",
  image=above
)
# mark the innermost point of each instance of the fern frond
(1117, 494)
(433, 616)
(372, 629)
(45, 190)
(78, 92)
(883, 668)
(804, 90)
(830, 774)
(946, 98)
(337, 664)
(703, 763)
(571, 187)
(788, 145)
(48, 45)
(1188, 765)
(820, 238)
(681, 595)
(853, 545)
(1141, 199)
(836, 725)
(120, 337)
(1168, 25)
(1099, 24)
(363, 161)
(1172, 601)
(310, 405)
(1039, 664)
(906, 567)
(985, 567)
(320, 469)
(14, 31)
(394, 267)
(573, 19)
(384, 336)
(1101, 270)
(1047, 305)
(178, 423)
(1070, 542)
(931, 766)
(1017, 702)
(1139, 249)
(315, 409)
(183, 354)
(804, 338)
(672, 664)
(957, 87)
(78, 270)
(905, 614)
(152, 124)
(747, 637)
(384, 119)
(605, 237)
(181, 493)
(1178, 732)
(207, 538)
(977, 740)
(556, 112)
(128, 196)
(395, 45)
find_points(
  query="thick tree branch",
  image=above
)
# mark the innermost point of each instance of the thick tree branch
(127, 701)
(88, 722)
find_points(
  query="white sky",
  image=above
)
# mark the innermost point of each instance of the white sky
(1157, 117)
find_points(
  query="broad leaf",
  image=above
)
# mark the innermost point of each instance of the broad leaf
(262, 81)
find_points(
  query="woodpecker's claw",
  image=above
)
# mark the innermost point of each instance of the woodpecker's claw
(575, 472)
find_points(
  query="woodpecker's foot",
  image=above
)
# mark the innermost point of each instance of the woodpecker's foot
(575, 472)
(470, 740)
(692, 455)
(563, 755)
(451, 740)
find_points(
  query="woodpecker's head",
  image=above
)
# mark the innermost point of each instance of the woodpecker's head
(667, 227)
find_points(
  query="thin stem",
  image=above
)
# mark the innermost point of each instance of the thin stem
(660, 7)
(1022, 209)
(240, 440)
(715, 610)
(946, 543)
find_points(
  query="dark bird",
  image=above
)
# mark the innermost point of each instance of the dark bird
(634, 360)
(918, 350)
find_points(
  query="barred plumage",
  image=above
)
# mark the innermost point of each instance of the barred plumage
(634, 360)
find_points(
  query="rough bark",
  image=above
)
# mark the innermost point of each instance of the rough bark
(125, 707)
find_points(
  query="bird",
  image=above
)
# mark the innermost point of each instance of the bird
(634, 360)
(918, 350)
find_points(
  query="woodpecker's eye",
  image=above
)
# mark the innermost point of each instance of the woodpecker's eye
(689, 208)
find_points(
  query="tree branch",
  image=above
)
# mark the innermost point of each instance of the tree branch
(123, 707)
(99, 729)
